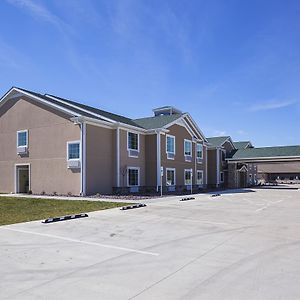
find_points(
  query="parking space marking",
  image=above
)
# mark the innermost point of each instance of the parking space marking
(267, 205)
(82, 242)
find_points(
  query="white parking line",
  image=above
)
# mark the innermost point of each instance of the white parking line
(267, 205)
(82, 242)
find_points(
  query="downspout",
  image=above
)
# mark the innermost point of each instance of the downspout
(118, 156)
(218, 167)
(205, 165)
(83, 158)
(158, 160)
(195, 172)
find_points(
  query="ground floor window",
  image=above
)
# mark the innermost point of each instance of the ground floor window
(73, 150)
(188, 177)
(222, 177)
(170, 177)
(199, 177)
(133, 177)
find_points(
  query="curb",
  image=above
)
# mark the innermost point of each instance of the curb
(187, 199)
(65, 218)
(133, 206)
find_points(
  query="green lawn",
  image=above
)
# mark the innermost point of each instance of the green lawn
(16, 210)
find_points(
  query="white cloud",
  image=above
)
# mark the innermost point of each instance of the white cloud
(219, 132)
(271, 105)
(241, 132)
(37, 10)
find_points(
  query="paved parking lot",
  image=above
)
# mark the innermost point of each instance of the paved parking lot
(241, 245)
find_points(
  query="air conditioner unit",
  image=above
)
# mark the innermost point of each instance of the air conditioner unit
(188, 158)
(73, 164)
(133, 153)
(199, 160)
(170, 155)
(22, 149)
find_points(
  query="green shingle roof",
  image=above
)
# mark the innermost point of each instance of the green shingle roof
(103, 113)
(281, 151)
(156, 122)
(145, 123)
(217, 141)
(241, 145)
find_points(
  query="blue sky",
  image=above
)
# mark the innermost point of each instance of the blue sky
(234, 65)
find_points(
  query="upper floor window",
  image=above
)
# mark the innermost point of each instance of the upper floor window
(199, 151)
(223, 153)
(133, 141)
(73, 150)
(188, 150)
(170, 146)
(22, 138)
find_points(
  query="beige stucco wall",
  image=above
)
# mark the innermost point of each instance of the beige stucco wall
(100, 159)
(179, 162)
(48, 133)
(126, 161)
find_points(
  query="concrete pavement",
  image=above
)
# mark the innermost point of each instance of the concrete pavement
(241, 245)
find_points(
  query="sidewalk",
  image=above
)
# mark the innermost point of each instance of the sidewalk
(81, 198)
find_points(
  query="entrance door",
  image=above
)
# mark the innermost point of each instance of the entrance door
(22, 179)
(243, 179)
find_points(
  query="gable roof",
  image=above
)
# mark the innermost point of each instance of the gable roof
(242, 144)
(218, 141)
(76, 109)
(157, 121)
(266, 152)
(106, 114)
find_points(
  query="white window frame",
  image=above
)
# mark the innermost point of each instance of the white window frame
(221, 175)
(138, 143)
(197, 151)
(133, 168)
(173, 137)
(191, 171)
(174, 170)
(73, 142)
(21, 131)
(223, 151)
(200, 171)
(186, 140)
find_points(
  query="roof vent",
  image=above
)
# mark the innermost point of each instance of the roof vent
(166, 110)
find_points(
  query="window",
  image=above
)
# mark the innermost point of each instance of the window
(133, 177)
(187, 177)
(133, 141)
(199, 177)
(73, 150)
(223, 153)
(170, 177)
(221, 176)
(199, 151)
(22, 138)
(170, 144)
(187, 148)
